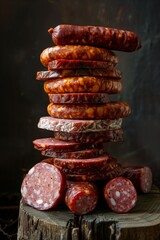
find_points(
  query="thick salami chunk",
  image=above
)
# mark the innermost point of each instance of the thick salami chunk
(81, 197)
(74, 126)
(43, 187)
(77, 52)
(54, 144)
(111, 110)
(71, 64)
(76, 98)
(141, 177)
(86, 153)
(110, 38)
(61, 73)
(85, 84)
(120, 194)
(115, 135)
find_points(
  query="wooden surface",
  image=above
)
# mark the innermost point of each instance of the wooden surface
(142, 223)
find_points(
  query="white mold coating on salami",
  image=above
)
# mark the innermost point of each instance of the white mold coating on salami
(120, 194)
(43, 186)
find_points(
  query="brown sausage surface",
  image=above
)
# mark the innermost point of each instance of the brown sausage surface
(61, 73)
(110, 38)
(43, 187)
(81, 197)
(111, 110)
(91, 137)
(71, 64)
(77, 52)
(84, 84)
(74, 126)
(76, 98)
(120, 194)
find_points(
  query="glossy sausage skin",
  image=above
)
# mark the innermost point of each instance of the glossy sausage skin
(110, 38)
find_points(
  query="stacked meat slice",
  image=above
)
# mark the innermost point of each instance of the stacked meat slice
(81, 77)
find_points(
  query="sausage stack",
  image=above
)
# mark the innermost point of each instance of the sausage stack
(80, 78)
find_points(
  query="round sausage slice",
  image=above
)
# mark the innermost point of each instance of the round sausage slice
(120, 194)
(43, 187)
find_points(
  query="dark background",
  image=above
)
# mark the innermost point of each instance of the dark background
(24, 35)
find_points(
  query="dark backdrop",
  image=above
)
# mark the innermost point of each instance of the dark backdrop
(24, 35)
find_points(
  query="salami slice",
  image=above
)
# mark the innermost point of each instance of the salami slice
(86, 153)
(111, 110)
(43, 187)
(74, 126)
(76, 98)
(120, 194)
(56, 145)
(141, 177)
(77, 52)
(71, 64)
(61, 73)
(84, 84)
(81, 197)
(110, 38)
(91, 137)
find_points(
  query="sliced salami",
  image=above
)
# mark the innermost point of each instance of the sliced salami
(71, 64)
(78, 98)
(84, 84)
(111, 110)
(75, 126)
(110, 38)
(77, 52)
(81, 197)
(120, 194)
(56, 145)
(86, 153)
(141, 177)
(43, 187)
(96, 72)
(115, 135)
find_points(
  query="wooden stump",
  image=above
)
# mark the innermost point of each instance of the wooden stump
(142, 223)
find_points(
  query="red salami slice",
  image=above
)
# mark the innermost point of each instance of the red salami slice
(141, 177)
(96, 72)
(120, 194)
(76, 98)
(111, 110)
(54, 144)
(91, 137)
(81, 197)
(43, 187)
(71, 64)
(86, 153)
(74, 126)
(110, 38)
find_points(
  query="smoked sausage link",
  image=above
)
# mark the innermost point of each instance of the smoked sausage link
(43, 187)
(120, 194)
(81, 197)
(109, 38)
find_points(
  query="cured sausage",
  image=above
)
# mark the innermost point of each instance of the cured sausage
(71, 64)
(86, 153)
(141, 177)
(120, 194)
(76, 98)
(54, 144)
(77, 52)
(61, 73)
(110, 38)
(91, 137)
(111, 110)
(85, 84)
(43, 187)
(81, 197)
(74, 126)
